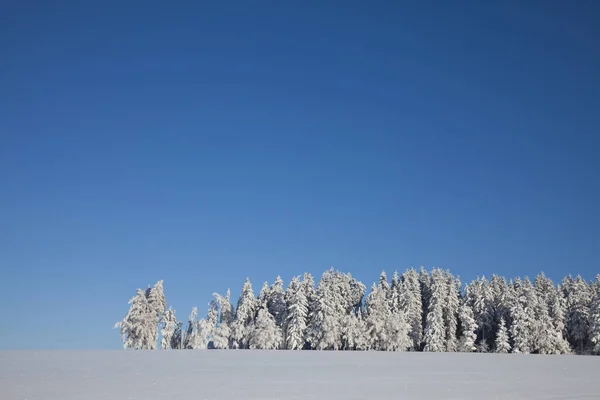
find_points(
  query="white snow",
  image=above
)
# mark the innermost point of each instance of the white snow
(248, 374)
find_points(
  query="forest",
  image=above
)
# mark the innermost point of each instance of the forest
(414, 311)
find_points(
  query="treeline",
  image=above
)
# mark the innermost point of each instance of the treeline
(414, 311)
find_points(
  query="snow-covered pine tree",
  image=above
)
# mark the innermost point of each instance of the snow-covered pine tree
(557, 310)
(435, 328)
(548, 337)
(177, 339)
(223, 331)
(397, 332)
(245, 312)
(158, 304)
(411, 303)
(502, 340)
(192, 336)
(468, 325)
(276, 302)
(354, 332)
(297, 313)
(395, 292)
(451, 310)
(578, 299)
(595, 317)
(378, 313)
(425, 285)
(523, 317)
(263, 295)
(265, 334)
(499, 304)
(137, 329)
(337, 295)
(169, 323)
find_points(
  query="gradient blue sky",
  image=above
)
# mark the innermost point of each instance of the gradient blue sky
(204, 143)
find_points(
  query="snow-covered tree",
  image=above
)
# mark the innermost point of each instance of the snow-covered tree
(337, 295)
(411, 303)
(451, 310)
(297, 314)
(265, 333)
(192, 336)
(468, 328)
(222, 333)
(578, 300)
(276, 302)
(177, 339)
(378, 313)
(435, 328)
(137, 328)
(595, 317)
(502, 340)
(523, 317)
(245, 312)
(169, 324)
(354, 332)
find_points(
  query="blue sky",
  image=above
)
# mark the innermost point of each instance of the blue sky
(204, 143)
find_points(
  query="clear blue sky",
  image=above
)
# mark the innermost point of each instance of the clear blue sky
(204, 143)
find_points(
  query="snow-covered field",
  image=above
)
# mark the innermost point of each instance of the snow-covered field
(108, 375)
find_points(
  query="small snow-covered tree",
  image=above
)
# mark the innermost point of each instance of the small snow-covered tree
(297, 313)
(137, 328)
(265, 334)
(468, 328)
(169, 324)
(177, 339)
(502, 340)
(354, 333)
(435, 328)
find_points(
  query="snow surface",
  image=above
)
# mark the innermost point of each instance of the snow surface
(247, 374)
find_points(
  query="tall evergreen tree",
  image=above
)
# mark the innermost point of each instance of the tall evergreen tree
(451, 309)
(435, 329)
(244, 316)
(276, 302)
(595, 317)
(297, 314)
(411, 303)
(578, 299)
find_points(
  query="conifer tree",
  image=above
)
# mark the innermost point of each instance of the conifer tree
(168, 331)
(137, 328)
(244, 316)
(435, 329)
(595, 317)
(468, 328)
(297, 313)
(502, 340)
(411, 303)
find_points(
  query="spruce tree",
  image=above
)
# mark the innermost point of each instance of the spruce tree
(502, 340)
(435, 328)
(168, 331)
(297, 313)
